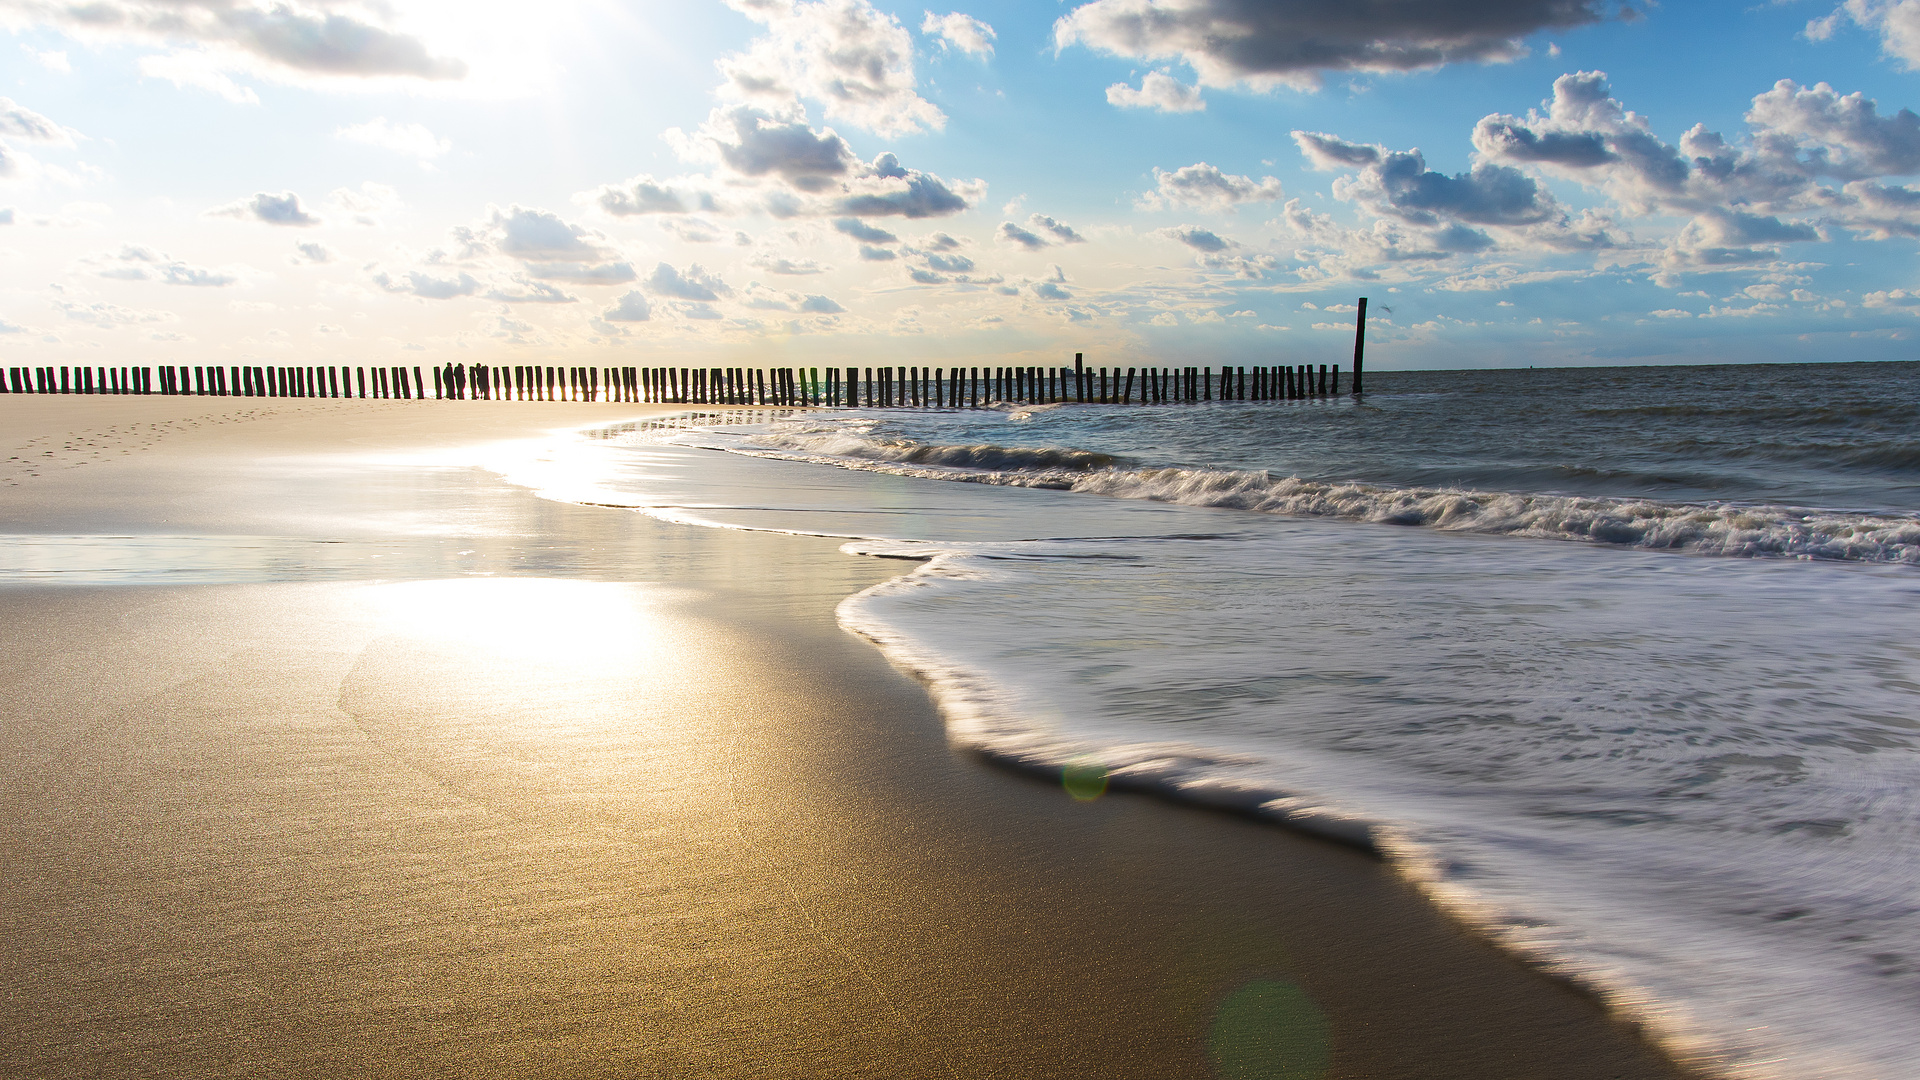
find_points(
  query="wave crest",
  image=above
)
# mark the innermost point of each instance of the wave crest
(1704, 528)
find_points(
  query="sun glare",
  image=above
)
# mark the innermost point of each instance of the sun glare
(536, 619)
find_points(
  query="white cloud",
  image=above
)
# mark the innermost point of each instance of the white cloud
(1158, 90)
(52, 61)
(281, 209)
(326, 38)
(428, 286)
(107, 316)
(691, 230)
(756, 143)
(1264, 43)
(1040, 231)
(135, 263)
(1204, 187)
(1014, 234)
(535, 235)
(413, 140)
(1896, 21)
(957, 31)
(790, 267)
(632, 307)
(198, 69)
(1197, 238)
(855, 61)
(1742, 202)
(369, 205)
(775, 162)
(21, 122)
(645, 195)
(863, 232)
(313, 252)
(694, 284)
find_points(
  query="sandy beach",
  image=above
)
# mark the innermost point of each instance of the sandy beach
(517, 787)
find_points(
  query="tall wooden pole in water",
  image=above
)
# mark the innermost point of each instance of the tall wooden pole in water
(1359, 344)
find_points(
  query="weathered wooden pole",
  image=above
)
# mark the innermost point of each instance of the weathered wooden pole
(1359, 344)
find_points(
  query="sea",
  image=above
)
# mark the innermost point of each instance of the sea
(1620, 666)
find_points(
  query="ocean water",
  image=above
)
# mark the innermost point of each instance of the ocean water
(1621, 666)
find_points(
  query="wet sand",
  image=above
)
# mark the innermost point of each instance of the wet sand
(565, 791)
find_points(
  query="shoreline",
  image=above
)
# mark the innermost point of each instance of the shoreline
(973, 918)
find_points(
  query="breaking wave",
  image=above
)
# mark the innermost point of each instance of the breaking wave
(1708, 528)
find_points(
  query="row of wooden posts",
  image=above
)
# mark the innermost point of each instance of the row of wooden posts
(876, 387)
(884, 387)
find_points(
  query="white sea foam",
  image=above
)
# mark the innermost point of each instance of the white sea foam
(1704, 528)
(1708, 818)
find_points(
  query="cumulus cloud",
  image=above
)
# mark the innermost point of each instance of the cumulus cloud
(333, 38)
(1058, 231)
(1158, 90)
(855, 61)
(1041, 231)
(632, 307)
(761, 298)
(1264, 43)
(754, 142)
(645, 195)
(1197, 238)
(413, 140)
(520, 290)
(313, 252)
(962, 32)
(1014, 234)
(863, 232)
(428, 286)
(281, 209)
(1399, 184)
(20, 122)
(1205, 187)
(1896, 21)
(135, 263)
(791, 267)
(694, 284)
(795, 170)
(535, 235)
(884, 188)
(1741, 201)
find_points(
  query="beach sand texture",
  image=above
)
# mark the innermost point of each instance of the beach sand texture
(565, 791)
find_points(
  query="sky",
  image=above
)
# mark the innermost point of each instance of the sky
(790, 182)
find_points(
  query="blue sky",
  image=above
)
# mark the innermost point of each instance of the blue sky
(1511, 182)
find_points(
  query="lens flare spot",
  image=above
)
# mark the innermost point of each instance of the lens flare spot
(1268, 1030)
(1084, 779)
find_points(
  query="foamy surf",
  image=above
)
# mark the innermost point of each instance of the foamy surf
(1702, 528)
(1714, 861)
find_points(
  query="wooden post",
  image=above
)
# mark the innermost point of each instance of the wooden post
(1080, 378)
(1359, 344)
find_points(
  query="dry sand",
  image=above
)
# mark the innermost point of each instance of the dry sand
(632, 805)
